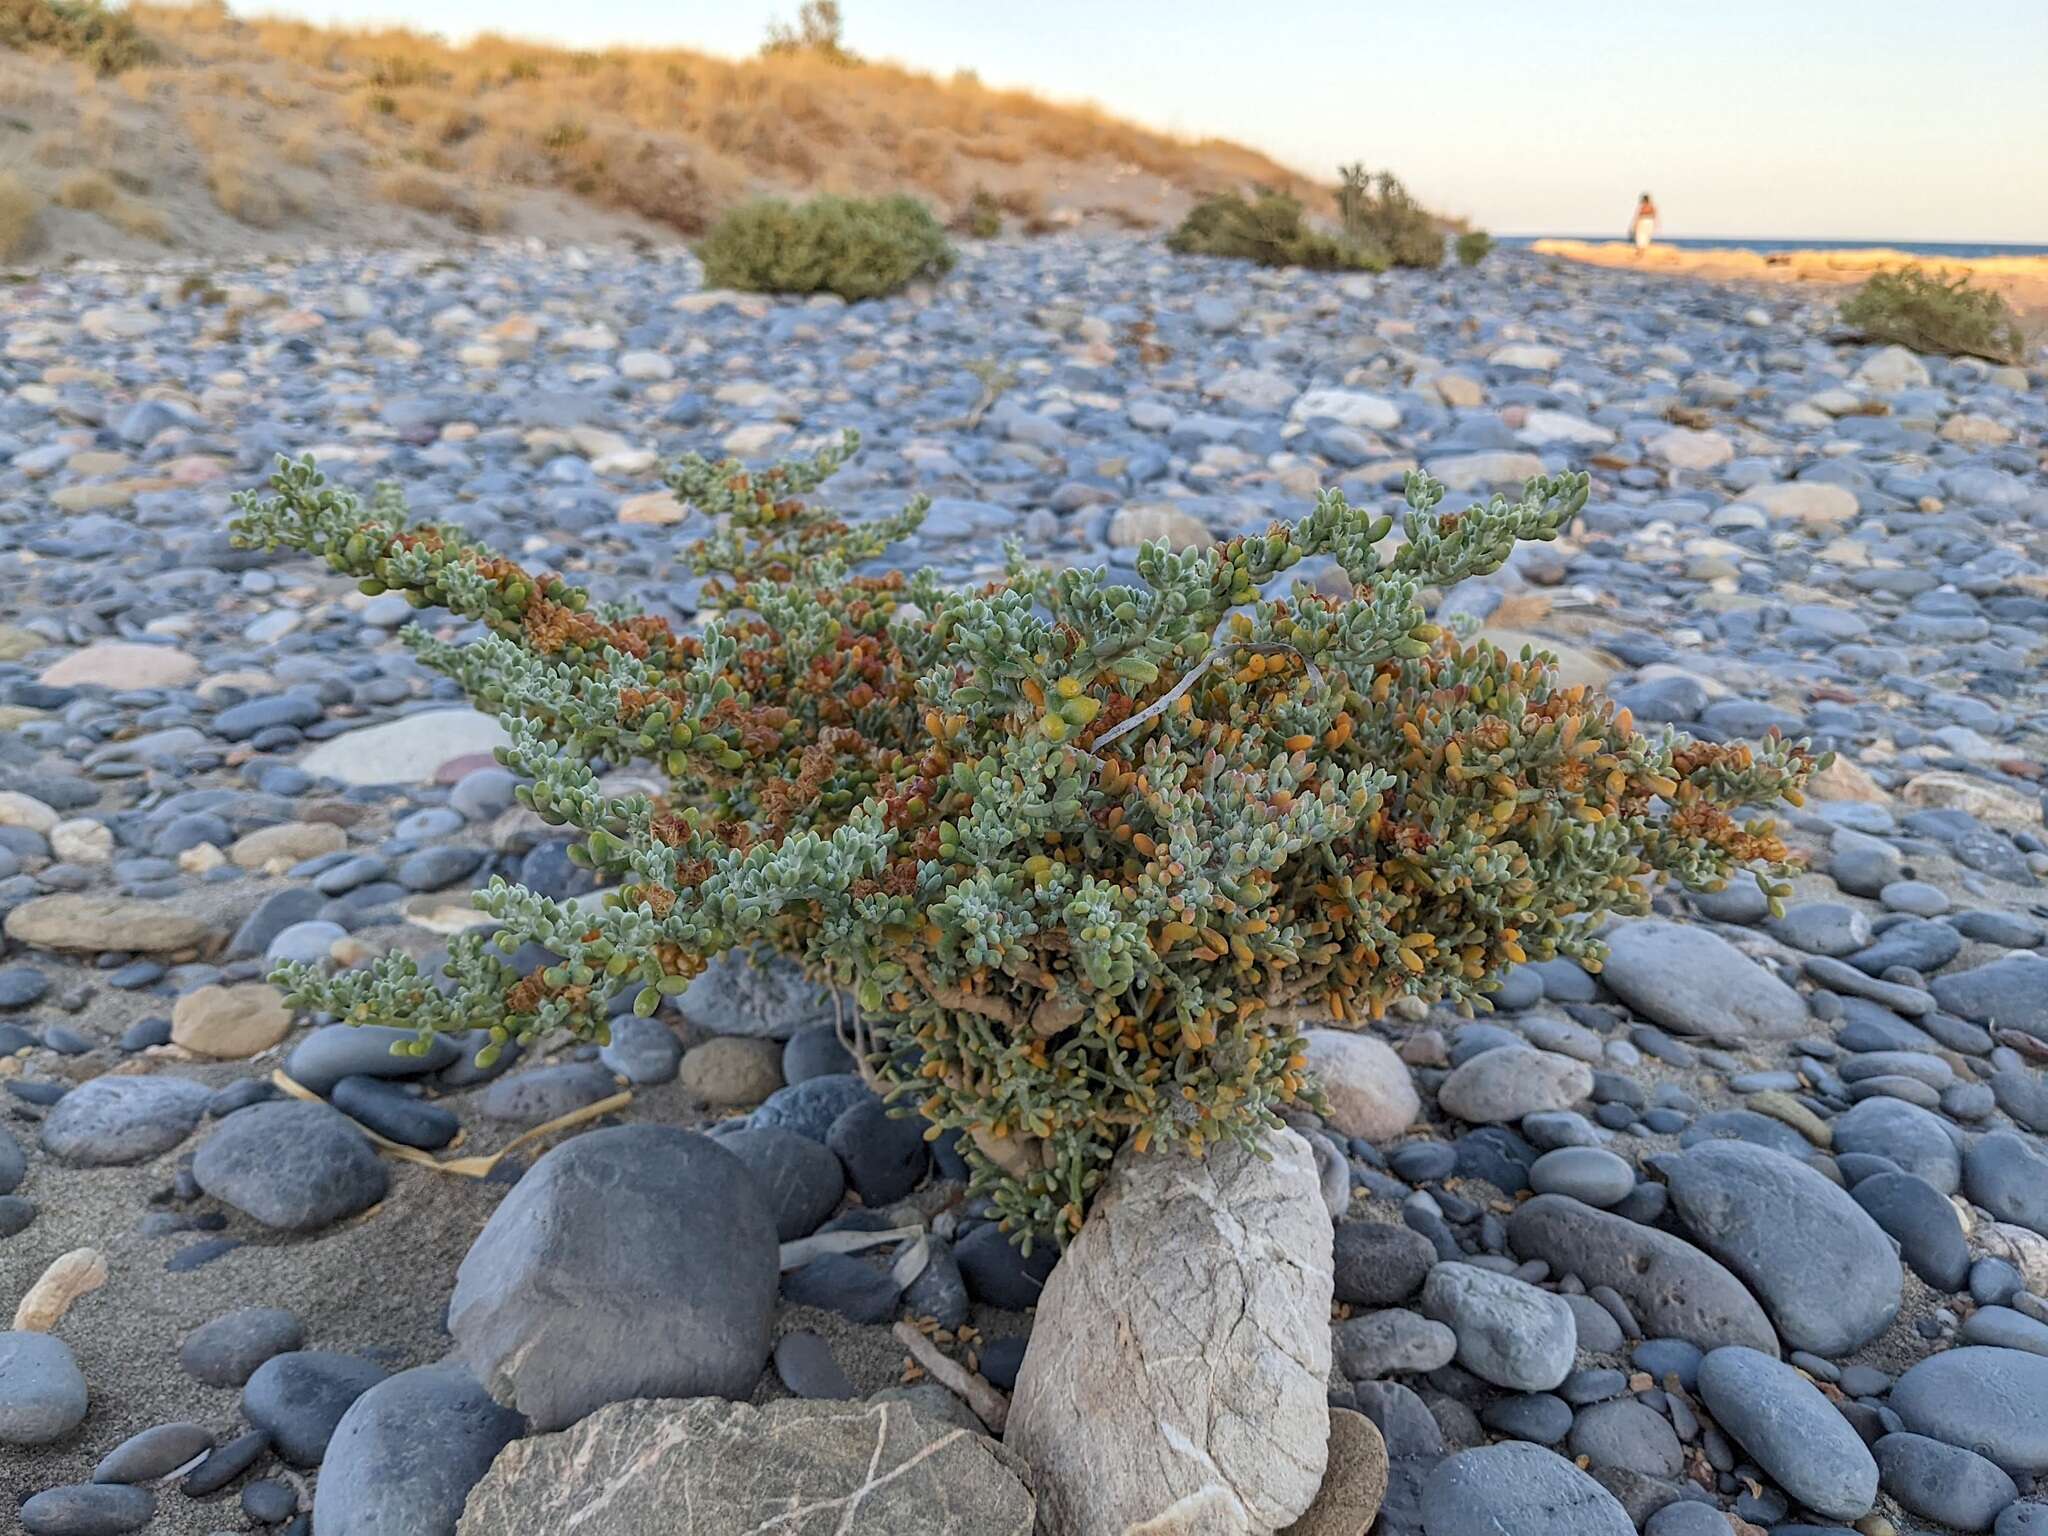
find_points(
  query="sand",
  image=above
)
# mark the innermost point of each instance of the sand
(2022, 279)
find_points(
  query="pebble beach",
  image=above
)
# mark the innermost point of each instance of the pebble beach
(1747, 1232)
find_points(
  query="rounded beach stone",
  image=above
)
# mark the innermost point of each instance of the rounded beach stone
(664, 1240)
(1793, 1432)
(729, 1071)
(42, 1391)
(298, 1399)
(1823, 1269)
(292, 1165)
(1520, 1488)
(1592, 1174)
(1506, 1084)
(151, 1454)
(1371, 1094)
(1509, 1332)
(406, 1453)
(88, 1509)
(115, 1120)
(230, 1022)
(226, 1351)
(1946, 1483)
(1989, 1400)
(1696, 983)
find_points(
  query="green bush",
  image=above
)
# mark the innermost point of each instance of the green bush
(858, 249)
(1087, 855)
(981, 217)
(108, 41)
(1270, 231)
(1919, 310)
(1474, 246)
(1378, 212)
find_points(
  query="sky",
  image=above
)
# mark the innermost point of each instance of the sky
(1794, 119)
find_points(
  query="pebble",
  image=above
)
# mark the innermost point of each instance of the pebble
(2009, 1179)
(1505, 1085)
(1923, 1223)
(88, 1509)
(1509, 1332)
(334, 1051)
(226, 1351)
(1378, 1264)
(1393, 1342)
(1590, 1174)
(1521, 1488)
(1629, 1436)
(546, 1093)
(1946, 1483)
(662, 1236)
(407, 1451)
(389, 1110)
(1792, 1431)
(642, 1051)
(153, 1453)
(226, 1462)
(1824, 1270)
(42, 1392)
(799, 1179)
(1677, 1290)
(113, 1120)
(293, 1166)
(730, 1071)
(1989, 1400)
(1695, 983)
(804, 1362)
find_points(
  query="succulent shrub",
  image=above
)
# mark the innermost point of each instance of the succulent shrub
(1473, 247)
(1087, 855)
(858, 248)
(1270, 230)
(1378, 212)
(1917, 309)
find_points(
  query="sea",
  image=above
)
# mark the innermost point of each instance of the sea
(1930, 248)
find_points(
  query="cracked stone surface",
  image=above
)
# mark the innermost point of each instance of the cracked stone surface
(705, 1467)
(1176, 1383)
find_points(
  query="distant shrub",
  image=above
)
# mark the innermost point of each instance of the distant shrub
(108, 41)
(415, 188)
(1919, 310)
(564, 133)
(1270, 231)
(1378, 212)
(817, 31)
(981, 217)
(88, 191)
(21, 218)
(141, 221)
(856, 248)
(247, 195)
(1474, 246)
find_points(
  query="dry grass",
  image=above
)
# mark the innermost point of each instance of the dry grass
(411, 187)
(21, 218)
(670, 135)
(141, 221)
(88, 191)
(245, 193)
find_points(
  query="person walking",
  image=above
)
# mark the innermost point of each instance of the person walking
(1644, 229)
